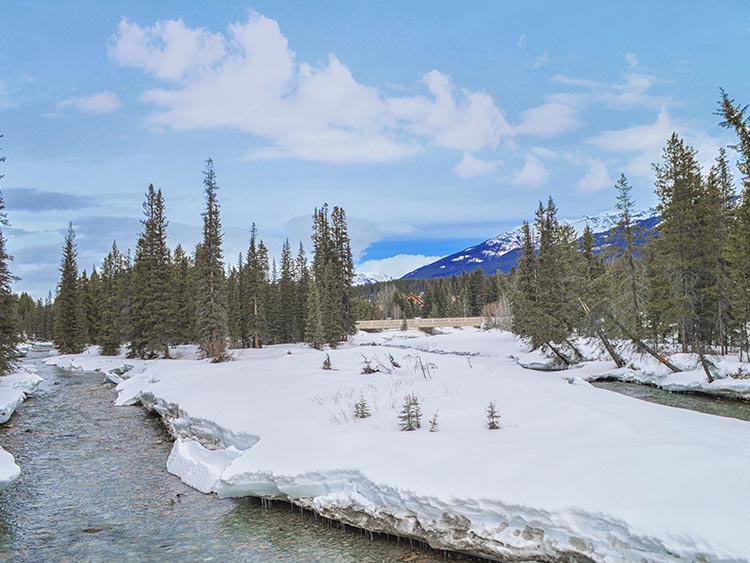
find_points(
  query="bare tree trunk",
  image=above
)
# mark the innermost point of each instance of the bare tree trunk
(642, 345)
(706, 366)
(619, 362)
(567, 361)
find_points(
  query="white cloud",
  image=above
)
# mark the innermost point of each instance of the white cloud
(636, 138)
(632, 92)
(97, 103)
(596, 178)
(396, 266)
(548, 120)
(631, 59)
(646, 143)
(248, 79)
(533, 174)
(472, 167)
(168, 49)
(522, 39)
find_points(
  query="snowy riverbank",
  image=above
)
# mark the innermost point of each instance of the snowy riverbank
(574, 471)
(14, 388)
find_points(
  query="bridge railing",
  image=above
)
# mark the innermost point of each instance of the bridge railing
(420, 323)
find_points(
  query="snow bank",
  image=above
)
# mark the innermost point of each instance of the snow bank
(14, 389)
(575, 472)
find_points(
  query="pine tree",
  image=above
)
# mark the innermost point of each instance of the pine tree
(69, 336)
(9, 333)
(211, 309)
(182, 298)
(361, 408)
(434, 422)
(286, 295)
(411, 414)
(525, 293)
(681, 241)
(493, 417)
(112, 322)
(314, 335)
(152, 282)
(626, 271)
(302, 285)
(93, 298)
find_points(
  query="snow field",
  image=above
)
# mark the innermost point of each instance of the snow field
(574, 471)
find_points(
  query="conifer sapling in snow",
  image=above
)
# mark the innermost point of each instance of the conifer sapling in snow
(493, 417)
(434, 422)
(361, 408)
(411, 414)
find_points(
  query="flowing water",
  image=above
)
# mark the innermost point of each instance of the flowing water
(94, 489)
(702, 403)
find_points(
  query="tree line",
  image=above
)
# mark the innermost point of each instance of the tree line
(161, 297)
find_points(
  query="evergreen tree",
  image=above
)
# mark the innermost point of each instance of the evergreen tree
(93, 298)
(302, 281)
(182, 298)
(151, 282)
(626, 271)
(682, 243)
(211, 308)
(525, 292)
(9, 333)
(314, 335)
(287, 295)
(112, 322)
(333, 271)
(70, 324)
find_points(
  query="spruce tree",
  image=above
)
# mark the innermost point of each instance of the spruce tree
(70, 324)
(112, 322)
(287, 295)
(626, 271)
(211, 308)
(314, 335)
(151, 282)
(682, 240)
(302, 285)
(182, 298)
(9, 333)
(93, 298)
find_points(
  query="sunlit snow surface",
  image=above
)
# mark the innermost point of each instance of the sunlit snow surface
(574, 469)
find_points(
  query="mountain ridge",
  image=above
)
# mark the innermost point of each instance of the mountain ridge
(502, 252)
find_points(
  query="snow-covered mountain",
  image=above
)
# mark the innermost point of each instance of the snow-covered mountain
(363, 278)
(502, 252)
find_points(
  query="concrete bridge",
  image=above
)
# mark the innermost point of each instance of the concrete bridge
(420, 323)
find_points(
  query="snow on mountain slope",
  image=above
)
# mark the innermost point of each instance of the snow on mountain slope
(364, 278)
(502, 252)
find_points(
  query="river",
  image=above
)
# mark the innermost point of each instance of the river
(730, 408)
(94, 489)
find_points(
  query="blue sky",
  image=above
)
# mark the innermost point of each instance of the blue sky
(434, 124)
